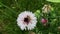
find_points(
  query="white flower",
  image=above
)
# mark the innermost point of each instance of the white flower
(26, 20)
(46, 9)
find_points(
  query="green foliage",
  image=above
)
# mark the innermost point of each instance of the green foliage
(9, 10)
(37, 13)
(55, 1)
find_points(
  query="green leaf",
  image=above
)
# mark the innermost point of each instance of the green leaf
(37, 13)
(53, 22)
(55, 1)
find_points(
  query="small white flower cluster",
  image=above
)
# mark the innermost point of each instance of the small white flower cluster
(26, 20)
(46, 9)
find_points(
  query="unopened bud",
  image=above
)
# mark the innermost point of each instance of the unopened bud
(44, 21)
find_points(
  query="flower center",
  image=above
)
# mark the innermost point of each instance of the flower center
(27, 19)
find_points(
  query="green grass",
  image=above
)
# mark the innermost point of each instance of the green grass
(9, 10)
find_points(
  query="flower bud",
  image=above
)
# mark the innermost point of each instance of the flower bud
(44, 21)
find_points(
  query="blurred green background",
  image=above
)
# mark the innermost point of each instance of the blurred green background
(9, 10)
